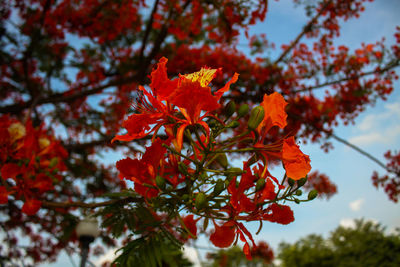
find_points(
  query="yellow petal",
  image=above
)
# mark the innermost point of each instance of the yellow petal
(204, 76)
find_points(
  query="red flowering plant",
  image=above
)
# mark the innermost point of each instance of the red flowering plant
(186, 162)
(70, 69)
(31, 162)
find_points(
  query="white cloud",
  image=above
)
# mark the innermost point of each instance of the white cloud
(347, 223)
(379, 128)
(191, 254)
(356, 204)
(109, 256)
(350, 223)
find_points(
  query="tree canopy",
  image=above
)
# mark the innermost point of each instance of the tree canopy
(367, 244)
(164, 85)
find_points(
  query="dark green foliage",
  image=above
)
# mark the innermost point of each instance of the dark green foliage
(157, 249)
(234, 257)
(365, 245)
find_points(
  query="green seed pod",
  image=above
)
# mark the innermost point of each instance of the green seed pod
(291, 182)
(219, 187)
(312, 194)
(260, 184)
(160, 182)
(222, 160)
(256, 117)
(201, 201)
(234, 171)
(243, 110)
(302, 181)
(228, 181)
(298, 192)
(230, 109)
(233, 124)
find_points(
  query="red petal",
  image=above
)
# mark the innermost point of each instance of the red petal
(275, 114)
(10, 170)
(194, 98)
(224, 89)
(223, 236)
(161, 85)
(297, 164)
(280, 214)
(31, 206)
(129, 167)
(3, 195)
(190, 224)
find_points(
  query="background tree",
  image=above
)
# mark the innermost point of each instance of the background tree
(234, 257)
(367, 244)
(70, 71)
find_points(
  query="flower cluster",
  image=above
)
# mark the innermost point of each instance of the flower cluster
(188, 165)
(30, 163)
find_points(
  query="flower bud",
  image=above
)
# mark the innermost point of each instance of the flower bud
(219, 187)
(160, 182)
(230, 109)
(298, 192)
(301, 181)
(260, 184)
(291, 182)
(201, 201)
(256, 117)
(222, 160)
(312, 194)
(234, 171)
(243, 110)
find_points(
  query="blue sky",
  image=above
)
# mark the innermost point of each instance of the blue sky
(375, 131)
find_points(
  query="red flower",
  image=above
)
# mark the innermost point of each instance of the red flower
(143, 172)
(3, 195)
(275, 114)
(190, 225)
(224, 235)
(10, 170)
(297, 164)
(279, 213)
(31, 206)
(189, 92)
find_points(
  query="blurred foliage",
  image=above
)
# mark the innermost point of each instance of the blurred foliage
(367, 244)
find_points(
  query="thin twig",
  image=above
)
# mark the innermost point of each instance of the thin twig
(303, 32)
(341, 140)
(93, 205)
(379, 71)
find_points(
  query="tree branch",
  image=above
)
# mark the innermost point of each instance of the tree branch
(302, 33)
(356, 148)
(363, 74)
(93, 205)
(147, 31)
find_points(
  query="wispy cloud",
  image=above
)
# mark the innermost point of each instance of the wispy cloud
(356, 204)
(379, 128)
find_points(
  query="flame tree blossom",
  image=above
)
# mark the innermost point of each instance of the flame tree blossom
(187, 160)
